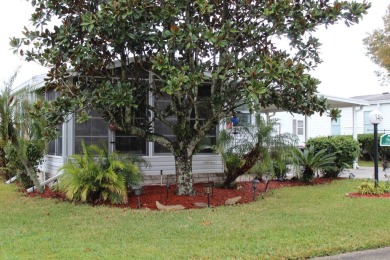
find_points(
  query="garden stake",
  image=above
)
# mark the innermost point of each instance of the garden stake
(167, 186)
(207, 189)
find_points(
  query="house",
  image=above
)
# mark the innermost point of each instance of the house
(306, 127)
(206, 165)
(354, 118)
(96, 130)
(380, 102)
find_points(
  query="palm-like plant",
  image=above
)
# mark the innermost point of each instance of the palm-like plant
(21, 143)
(97, 176)
(256, 144)
(7, 127)
(308, 161)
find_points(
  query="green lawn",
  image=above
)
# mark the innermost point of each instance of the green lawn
(368, 163)
(296, 222)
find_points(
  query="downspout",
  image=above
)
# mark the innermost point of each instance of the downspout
(354, 132)
(11, 180)
(50, 180)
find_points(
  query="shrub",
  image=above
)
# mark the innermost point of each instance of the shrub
(97, 176)
(344, 148)
(252, 151)
(131, 172)
(259, 170)
(367, 147)
(308, 161)
(368, 187)
(366, 142)
(280, 167)
(32, 151)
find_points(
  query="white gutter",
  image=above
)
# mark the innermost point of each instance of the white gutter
(50, 180)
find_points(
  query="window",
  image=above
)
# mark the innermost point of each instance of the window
(336, 127)
(244, 119)
(94, 131)
(125, 143)
(298, 127)
(368, 127)
(55, 146)
(162, 102)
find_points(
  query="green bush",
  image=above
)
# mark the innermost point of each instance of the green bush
(33, 152)
(306, 162)
(97, 176)
(366, 142)
(368, 187)
(344, 148)
(259, 170)
(280, 168)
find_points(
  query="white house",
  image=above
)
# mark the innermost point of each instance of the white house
(306, 127)
(353, 120)
(96, 130)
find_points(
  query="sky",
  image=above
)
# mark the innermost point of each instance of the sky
(345, 71)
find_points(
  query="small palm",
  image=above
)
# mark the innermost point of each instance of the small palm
(308, 161)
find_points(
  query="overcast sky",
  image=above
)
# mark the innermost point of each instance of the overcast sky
(346, 71)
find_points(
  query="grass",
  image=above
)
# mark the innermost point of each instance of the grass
(297, 222)
(368, 163)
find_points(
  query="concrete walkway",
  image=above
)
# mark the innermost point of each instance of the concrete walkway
(374, 254)
(366, 173)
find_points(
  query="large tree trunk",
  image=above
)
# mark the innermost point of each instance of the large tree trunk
(184, 180)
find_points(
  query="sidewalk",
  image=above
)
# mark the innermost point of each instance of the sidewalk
(365, 173)
(374, 254)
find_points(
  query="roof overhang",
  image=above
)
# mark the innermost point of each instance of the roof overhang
(334, 102)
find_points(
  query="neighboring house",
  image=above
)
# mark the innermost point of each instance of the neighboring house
(380, 102)
(205, 165)
(306, 127)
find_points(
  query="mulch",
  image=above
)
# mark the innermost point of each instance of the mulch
(217, 197)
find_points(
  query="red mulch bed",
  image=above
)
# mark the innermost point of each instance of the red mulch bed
(151, 194)
(358, 195)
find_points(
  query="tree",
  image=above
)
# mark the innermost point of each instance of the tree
(208, 56)
(378, 48)
(255, 144)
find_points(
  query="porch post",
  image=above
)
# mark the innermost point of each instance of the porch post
(306, 129)
(354, 134)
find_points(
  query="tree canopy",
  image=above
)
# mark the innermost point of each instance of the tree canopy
(378, 48)
(207, 56)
